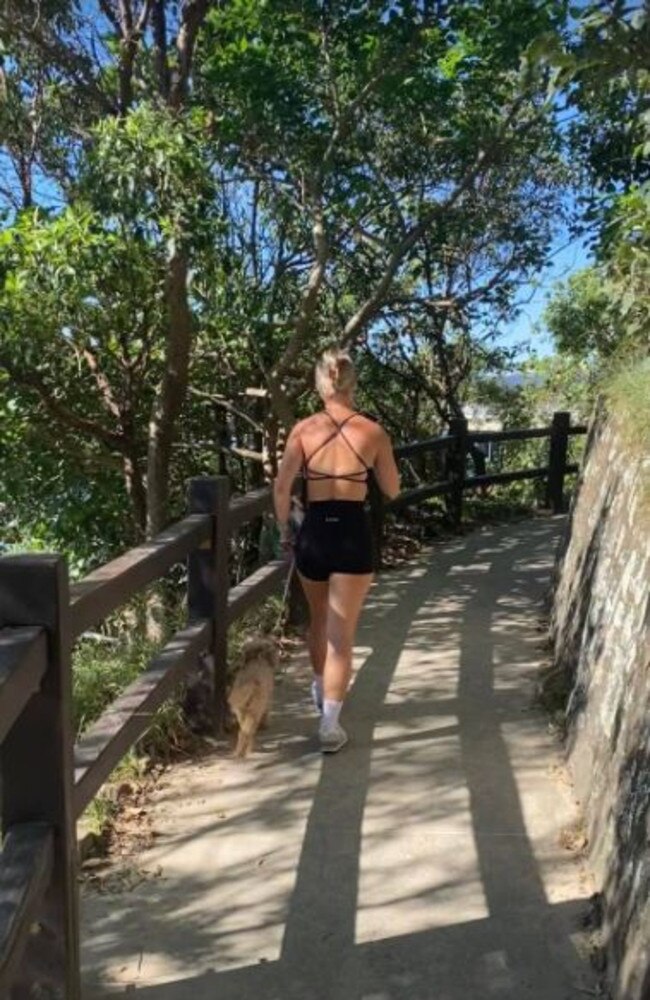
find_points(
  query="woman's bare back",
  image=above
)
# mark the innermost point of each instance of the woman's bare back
(338, 448)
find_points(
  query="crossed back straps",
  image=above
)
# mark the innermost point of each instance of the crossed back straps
(361, 476)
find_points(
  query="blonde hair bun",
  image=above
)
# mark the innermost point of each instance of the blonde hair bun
(335, 372)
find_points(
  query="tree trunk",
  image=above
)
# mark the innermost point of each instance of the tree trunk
(280, 401)
(171, 393)
(137, 493)
(165, 413)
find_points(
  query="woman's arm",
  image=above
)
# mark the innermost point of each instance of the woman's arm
(289, 468)
(386, 471)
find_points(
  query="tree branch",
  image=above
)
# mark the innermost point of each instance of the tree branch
(102, 383)
(373, 303)
(194, 12)
(66, 416)
(161, 62)
(225, 404)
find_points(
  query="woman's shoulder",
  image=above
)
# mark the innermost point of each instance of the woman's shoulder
(363, 419)
(370, 417)
(372, 424)
(306, 424)
(304, 428)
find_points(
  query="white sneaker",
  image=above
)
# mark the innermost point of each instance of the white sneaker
(332, 738)
(317, 697)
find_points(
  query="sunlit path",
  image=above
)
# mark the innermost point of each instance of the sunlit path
(422, 862)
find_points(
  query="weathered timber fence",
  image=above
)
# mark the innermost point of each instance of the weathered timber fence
(47, 780)
(456, 446)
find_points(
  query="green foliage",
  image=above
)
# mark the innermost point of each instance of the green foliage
(581, 315)
(562, 381)
(628, 265)
(547, 384)
(627, 393)
(102, 671)
(365, 116)
(55, 496)
(151, 170)
(603, 312)
(83, 331)
(609, 85)
(601, 316)
(374, 113)
(103, 809)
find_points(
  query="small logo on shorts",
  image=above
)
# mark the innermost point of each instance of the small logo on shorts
(332, 520)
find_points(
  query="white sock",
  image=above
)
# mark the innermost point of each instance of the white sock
(318, 685)
(331, 712)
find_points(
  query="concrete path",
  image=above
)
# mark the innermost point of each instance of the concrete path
(421, 863)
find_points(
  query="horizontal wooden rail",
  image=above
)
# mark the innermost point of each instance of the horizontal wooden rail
(23, 662)
(105, 589)
(129, 716)
(515, 434)
(255, 587)
(458, 445)
(250, 506)
(496, 478)
(25, 873)
(439, 443)
(418, 494)
(443, 442)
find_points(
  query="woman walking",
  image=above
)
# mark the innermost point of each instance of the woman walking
(335, 449)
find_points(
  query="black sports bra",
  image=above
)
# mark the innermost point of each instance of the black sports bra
(316, 475)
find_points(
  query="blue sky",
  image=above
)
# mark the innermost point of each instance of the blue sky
(566, 258)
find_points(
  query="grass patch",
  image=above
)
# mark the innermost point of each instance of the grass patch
(100, 672)
(101, 812)
(553, 692)
(628, 398)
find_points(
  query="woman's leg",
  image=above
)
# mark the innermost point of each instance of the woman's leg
(316, 593)
(346, 596)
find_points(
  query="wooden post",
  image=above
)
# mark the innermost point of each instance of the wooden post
(456, 469)
(37, 769)
(557, 461)
(209, 582)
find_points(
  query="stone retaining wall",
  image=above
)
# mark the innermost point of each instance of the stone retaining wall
(601, 635)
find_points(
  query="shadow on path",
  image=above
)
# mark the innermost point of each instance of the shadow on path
(416, 877)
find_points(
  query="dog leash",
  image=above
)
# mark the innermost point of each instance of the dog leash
(284, 604)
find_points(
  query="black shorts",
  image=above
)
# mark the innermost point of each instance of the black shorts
(335, 537)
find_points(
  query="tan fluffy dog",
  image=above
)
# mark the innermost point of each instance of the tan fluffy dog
(251, 694)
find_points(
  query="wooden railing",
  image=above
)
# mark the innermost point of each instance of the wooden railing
(47, 780)
(455, 447)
